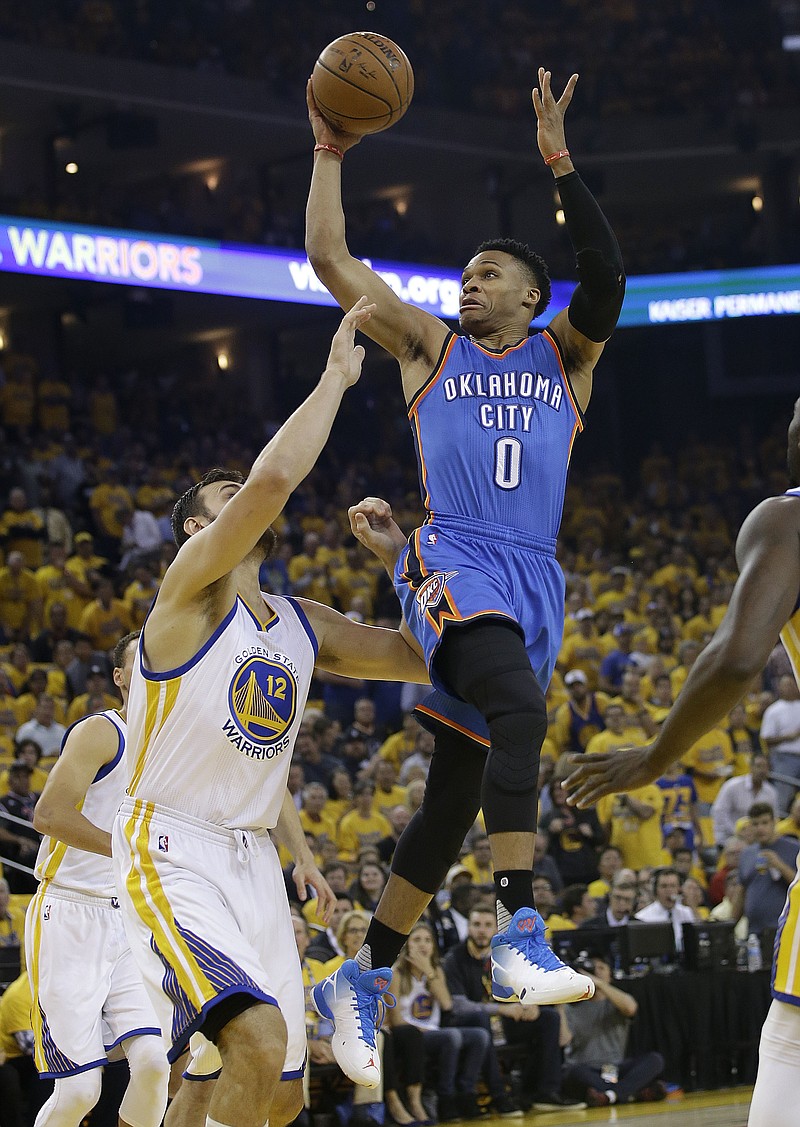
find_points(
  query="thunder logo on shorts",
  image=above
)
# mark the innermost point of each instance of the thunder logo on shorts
(263, 700)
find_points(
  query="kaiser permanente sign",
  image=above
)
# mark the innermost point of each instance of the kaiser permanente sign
(137, 258)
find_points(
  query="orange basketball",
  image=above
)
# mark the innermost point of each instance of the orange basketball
(362, 82)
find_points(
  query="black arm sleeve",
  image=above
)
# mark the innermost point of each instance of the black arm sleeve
(597, 301)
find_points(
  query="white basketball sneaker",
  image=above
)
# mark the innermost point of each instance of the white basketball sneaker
(524, 968)
(355, 1001)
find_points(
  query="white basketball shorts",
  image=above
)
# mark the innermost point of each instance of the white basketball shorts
(87, 990)
(207, 916)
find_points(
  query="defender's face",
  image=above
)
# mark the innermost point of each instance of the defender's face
(494, 292)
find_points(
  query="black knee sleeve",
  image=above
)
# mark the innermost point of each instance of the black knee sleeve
(487, 665)
(432, 840)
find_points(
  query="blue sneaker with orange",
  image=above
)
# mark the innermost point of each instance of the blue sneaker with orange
(355, 1001)
(524, 969)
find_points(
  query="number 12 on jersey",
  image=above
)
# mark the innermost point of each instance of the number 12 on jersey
(507, 462)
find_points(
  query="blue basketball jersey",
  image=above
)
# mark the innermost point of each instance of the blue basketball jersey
(493, 433)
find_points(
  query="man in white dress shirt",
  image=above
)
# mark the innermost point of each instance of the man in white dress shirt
(666, 907)
(737, 795)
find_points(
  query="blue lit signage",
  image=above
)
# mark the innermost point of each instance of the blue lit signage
(134, 258)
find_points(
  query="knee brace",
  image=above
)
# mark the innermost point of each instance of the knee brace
(487, 665)
(432, 840)
(72, 1099)
(145, 1099)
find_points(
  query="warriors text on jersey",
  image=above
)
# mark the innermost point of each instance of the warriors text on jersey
(213, 739)
(75, 869)
(493, 434)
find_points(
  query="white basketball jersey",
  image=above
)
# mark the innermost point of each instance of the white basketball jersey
(76, 869)
(213, 739)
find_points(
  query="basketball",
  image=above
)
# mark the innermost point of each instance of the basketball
(362, 82)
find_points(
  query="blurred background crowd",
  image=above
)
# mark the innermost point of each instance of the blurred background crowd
(188, 119)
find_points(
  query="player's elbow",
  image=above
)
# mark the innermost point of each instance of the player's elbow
(735, 656)
(43, 817)
(325, 254)
(270, 481)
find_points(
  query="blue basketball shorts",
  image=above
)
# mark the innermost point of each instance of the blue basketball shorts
(449, 575)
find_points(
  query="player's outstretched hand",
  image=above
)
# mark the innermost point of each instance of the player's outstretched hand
(325, 133)
(371, 522)
(345, 356)
(594, 776)
(550, 113)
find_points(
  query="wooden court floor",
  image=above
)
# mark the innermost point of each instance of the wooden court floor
(724, 1108)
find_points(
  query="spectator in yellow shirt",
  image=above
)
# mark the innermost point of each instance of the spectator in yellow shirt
(20, 601)
(106, 619)
(688, 653)
(361, 827)
(139, 594)
(97, 698)
(634, 824)
(54, 402)
(30, 693)
(397, 747)
(619, 732)
(584, 649)
(108, 501)
(340, 792)
(710, 762)
(313, 818)
(308, 574)
(22, 529)
(388, 793)
(86, 567)
(9, 717)
(478, 862)
(59, 584)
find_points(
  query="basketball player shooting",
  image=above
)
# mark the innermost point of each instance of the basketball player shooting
(494, 413)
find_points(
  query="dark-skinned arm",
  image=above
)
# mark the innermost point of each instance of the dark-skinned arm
(764, 598)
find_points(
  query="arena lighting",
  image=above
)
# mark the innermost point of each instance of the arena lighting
(142, 259)
(71, 167)
(223, 361)
(757, 203)
(561, 219)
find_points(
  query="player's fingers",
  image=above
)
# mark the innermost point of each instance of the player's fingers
(537, 100)
(587, 794)
(569, 90)
(546, 91)
(359, 353)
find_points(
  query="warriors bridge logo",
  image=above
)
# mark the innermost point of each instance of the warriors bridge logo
(263, 700)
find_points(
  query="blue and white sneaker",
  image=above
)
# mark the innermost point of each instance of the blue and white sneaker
(355, 1001)
(525, 970)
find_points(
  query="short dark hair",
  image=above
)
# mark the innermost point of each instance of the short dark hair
(572, 898)
(759, 809)
(121, 648)
(664, 871)
(533, 263)
(188, 504)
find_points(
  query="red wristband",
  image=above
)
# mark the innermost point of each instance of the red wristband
(329, 149)
(556, 156)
